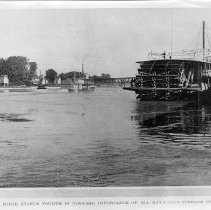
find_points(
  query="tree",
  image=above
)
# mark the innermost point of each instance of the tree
(50, 75)
(31, 73)
(105, 75)
(16, 67)
(63, 76)
(32, 69)
(19, 69)
(71, 75)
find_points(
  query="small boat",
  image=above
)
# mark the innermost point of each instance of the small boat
(41, 87)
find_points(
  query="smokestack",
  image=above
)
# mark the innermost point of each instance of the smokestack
(82, 68)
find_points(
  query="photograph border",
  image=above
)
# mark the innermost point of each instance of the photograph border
(98, 193)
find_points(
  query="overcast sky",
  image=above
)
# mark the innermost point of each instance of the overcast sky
(106, 40)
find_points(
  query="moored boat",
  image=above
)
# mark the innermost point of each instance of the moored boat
(174, 76)
(41, 86)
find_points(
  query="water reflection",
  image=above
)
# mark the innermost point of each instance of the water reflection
(186, 125)
(13, 117)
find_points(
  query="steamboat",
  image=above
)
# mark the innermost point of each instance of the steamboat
(81, 83)
(175, 76)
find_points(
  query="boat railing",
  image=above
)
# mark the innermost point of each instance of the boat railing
(194, 54)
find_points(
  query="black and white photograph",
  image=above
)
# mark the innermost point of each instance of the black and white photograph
(105, 97)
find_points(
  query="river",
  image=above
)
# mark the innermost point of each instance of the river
(55, 138)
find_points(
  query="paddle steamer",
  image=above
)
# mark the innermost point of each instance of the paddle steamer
(174, 76)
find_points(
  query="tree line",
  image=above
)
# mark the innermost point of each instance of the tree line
(21, 71)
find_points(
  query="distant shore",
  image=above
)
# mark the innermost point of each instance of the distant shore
(25, 87)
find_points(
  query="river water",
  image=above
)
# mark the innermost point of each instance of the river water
(54, 138)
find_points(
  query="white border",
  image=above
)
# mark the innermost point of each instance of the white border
(165, 192)
(92, 192)
(103, 4)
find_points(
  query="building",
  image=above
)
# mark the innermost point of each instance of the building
(66, 82)
(86, 76)
(4, 80)
(57, 81)
(36, 80)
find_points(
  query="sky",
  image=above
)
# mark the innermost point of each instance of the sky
(105, 40)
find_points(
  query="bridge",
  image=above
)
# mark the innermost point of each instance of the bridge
(113, 81)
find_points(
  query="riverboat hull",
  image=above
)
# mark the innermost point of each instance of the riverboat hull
(81, 85)
(172, 80)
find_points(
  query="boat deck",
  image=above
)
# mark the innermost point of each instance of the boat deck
(162, 89)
